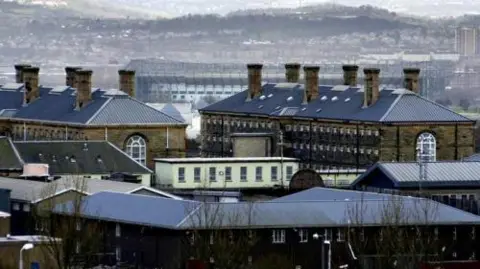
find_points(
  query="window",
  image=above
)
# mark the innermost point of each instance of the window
(228, 173)
(258, 173)
(435, 231)
(212, 174)
(212, 238)
(289, 172)
(26, 207)
(454, 235)
(426, 147)
(118, 230)
(243, 173)
(181, 174)
(274, 173)
(77, 247)
(474, 234)
(362, 235)
(16, 206)
(340, 235)
(118, 254)
(137, 149)
(78, 225)
(278, 236)
(196, 174)
(328, 234)
(303, 234)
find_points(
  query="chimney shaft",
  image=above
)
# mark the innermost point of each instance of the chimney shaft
(292, 72)
(84, 87)
(70, 79)
(127, 81)
(254, 80)
(311, 82)
(411, 76)
(372, 86)
(30, 78)
(350, 75)
(19, 72)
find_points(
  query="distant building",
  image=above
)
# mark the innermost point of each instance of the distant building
(467, 41)
(340, 127)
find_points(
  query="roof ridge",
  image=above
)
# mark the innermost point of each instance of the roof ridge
(17, 154)
(128, 156)
(99, 111)
(441, 106)
(153, 109)
(392, 106)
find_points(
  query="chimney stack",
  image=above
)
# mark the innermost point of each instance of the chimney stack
(372, 86)
(19, 72)
(70, 76)
(292, 72)
(127, 81)
(30, 77)
(311, 82)
(254, 80)
(350, 75)
(84, 87)
(411, 76)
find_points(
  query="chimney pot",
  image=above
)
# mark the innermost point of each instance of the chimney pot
(30, 77)
(70, 76)
(372, 86)
(350, 75)
(411, 76)
(84, 87)
(18, 72)
(127, 81)
(292, 72)
(254, 80)
(311, 82)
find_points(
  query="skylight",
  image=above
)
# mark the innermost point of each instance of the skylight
(324, 98)
(334, 99)
(270, 95)
(290, 98)
(263, 97)
(347, 99)
(278, 107)
(260, 106)
(319, 110)
(303, 109)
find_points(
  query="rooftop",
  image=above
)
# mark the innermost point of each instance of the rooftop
(337, 103)
(225, 160)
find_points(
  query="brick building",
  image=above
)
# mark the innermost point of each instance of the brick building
(335, 127)
(77, 111)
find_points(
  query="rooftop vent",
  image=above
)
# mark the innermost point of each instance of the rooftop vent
(263, 97)
(270, 95)
(278, 107)
(324, 98)
(260, 106)
(99, 159)
(347, 99)
(290, 98)
(303, 109)
(334, 99)
(85, 147)
(319, 110)
(72, 159)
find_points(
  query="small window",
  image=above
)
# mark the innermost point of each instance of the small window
(289, 172)
(328, 234)
(303, 234)
(340, 235)
(243, 173)
(454, 233)
(77, 247)
(278, 236)
(181, 174)
(212, 174)
(196, 174)
(118, 253)
(274, 173)
(362, 235)
(212, 238)
(474, 233)
(16, 206)
(258, 173)
(118, 230)
(78, 225)
(26, 207)
(228, 173)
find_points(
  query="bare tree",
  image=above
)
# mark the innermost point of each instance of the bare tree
(80, 242)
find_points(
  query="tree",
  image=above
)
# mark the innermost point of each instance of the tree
(464, 104)
(72, 242)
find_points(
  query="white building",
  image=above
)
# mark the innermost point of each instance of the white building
(225, 173)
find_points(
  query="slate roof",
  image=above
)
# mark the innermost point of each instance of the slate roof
(318, 193)
(9, 158)
(79, 157)
(337, 103)
(177, 214)
(439, 174)
(107, 107)
(473, 158)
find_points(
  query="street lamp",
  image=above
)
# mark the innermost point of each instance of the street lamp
(316, 236)
(27, 246)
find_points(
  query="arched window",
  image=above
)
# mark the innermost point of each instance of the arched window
(426, 147)
(137, 149)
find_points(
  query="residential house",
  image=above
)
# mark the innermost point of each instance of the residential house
(29, 195)
(453, 183)
(225, 173)
(84, 159)
(78, 111)
(310, 229)
(345, 126)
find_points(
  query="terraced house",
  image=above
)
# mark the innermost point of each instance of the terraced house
(345, 126)
(77, 111)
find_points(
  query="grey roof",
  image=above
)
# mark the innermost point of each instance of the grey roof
(330, 194)
(31, 191)
(337, 103)
(177, 214)
(9, 158)
(473, 158)
(439, 174)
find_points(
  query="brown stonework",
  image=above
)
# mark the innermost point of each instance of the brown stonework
(292, 72)
(70, 76)
(350, 75)
(19, 72)
(30, 77)
(372, 84)
(254, 80)
(411, 79)
(127, 81)
(84, 87)
(311, 82)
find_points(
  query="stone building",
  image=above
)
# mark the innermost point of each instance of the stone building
(78, 111)
(347, 126)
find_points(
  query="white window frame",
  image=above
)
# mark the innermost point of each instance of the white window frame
(118, 253)
(212, 177)
(288, 173)
(244, 176)
(303, 234)
(274, 173)
(340, 235)
(181, 174)
(137, 142)
(228, 173)
(118, 230)
(197, 177)
(327, 234)
(278, 236)
(259, 173)
(426, 147)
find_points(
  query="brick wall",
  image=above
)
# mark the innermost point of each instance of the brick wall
(4, 226)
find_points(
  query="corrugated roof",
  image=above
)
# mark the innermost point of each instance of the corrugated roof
(317, 193)
(439, 174)
(473, 158)
(393, 105)
(176, 214)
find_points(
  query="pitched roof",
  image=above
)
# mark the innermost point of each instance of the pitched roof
(57, 104)
(79, 157)
(337, 103)
(473, 158)
(318, 193)
(9, 158)
(176, 214)
(439, 174)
